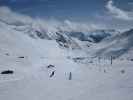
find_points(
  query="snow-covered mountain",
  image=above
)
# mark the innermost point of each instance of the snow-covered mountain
(96, 42)
(116, 45)
(100, 40)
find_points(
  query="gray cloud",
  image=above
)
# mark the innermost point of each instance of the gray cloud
(51, 25)
(117, 12)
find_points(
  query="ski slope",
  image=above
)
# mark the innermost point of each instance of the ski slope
(97, 80)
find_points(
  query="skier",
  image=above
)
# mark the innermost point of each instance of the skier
(52, 74)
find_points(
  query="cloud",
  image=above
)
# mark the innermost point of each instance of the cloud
(49, 25)
(117, 12)
(10, 17)
(53, 25)
(130, 3)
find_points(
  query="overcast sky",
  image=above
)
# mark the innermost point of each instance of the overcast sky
(113, 13)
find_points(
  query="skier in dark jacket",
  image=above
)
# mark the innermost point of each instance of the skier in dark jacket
(52, 74)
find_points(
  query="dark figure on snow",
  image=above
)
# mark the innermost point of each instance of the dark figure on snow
(70, 76)
(52, 74)
(7, 72)
(50, 66)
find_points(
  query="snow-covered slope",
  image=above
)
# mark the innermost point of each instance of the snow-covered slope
(31, 81)
(69, 40)
(116, 45)
(19, 44)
